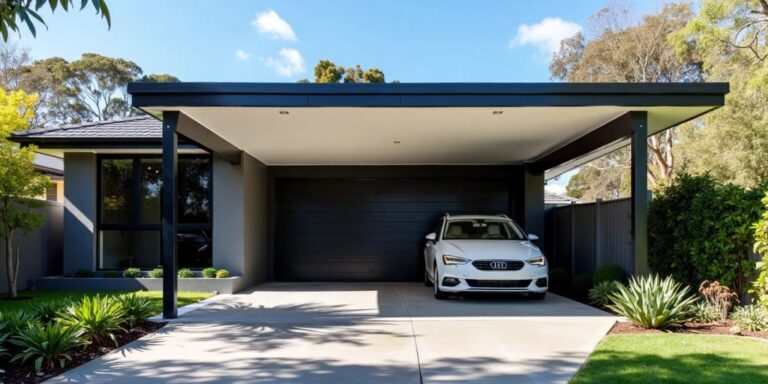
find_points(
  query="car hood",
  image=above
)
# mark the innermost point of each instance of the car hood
(492, 249)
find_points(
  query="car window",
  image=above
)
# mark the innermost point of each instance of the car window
(480, 229)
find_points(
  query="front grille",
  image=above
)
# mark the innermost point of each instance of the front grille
(498, 283)
(486, 265)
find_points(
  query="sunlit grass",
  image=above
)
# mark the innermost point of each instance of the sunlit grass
(37, 297)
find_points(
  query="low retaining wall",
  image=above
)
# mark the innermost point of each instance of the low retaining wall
(198, 284)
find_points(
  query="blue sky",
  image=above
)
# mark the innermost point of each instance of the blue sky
(280, 41)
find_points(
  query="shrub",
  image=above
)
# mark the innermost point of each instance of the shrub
(111, 274)
(718, 296)
(100, 317)
(156, 273)
(48, 311)
(580, 286)
(132, 272)
(653, 302)
(609, 272)
(703, 312)
(699, 230)
(209, 272)
(601, 292)
(47, 344)
(13, 322)
(559, 280)
(136, 307)
(186, 273)
(83, 273)
(760, 285)
(222, 274)
(751, 317)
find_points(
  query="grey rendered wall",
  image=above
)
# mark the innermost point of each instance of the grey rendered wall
(41, 250)
(239, 218)
(79, 211)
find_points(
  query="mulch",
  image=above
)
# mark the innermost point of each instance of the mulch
(13, 373)
(721, 328)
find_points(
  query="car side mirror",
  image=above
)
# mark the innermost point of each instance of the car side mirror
(532, 237)
(432, 237)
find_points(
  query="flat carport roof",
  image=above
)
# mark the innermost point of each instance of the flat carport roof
(545, 128)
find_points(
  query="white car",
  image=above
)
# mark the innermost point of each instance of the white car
(471, 253)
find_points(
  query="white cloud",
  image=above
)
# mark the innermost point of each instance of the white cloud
(289, 63)
(242, 55)
(545, 35)
(271, 24)
(555, 188)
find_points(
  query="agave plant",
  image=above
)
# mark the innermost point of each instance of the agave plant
(13, 322)
(751, 317)
(600, 294)
(47, 344)
(653, 302)
(100, 317)
(136, 307)
(48, 311)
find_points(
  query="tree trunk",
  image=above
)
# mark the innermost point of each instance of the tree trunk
(16, 257)
(9, 262)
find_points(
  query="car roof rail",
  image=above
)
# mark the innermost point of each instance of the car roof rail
(503, 215)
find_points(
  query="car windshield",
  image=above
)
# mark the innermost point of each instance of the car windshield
(479, 229)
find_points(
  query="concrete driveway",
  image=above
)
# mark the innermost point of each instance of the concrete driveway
(359, 333)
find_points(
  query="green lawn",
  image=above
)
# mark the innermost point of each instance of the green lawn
(676, 358)
(184, 298)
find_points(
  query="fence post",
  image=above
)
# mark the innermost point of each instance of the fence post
(573, 238)
(598, 233)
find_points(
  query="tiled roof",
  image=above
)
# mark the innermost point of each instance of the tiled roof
(131, 127)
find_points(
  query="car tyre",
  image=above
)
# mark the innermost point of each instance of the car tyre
(439, 294)
(427, 281)
(537, 295)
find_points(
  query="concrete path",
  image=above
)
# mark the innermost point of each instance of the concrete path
(359, 333)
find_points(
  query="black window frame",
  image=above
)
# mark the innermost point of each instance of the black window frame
(136, 224)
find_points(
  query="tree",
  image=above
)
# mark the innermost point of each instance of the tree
(20, 183)
(630, 52)
(16, 12)
(328, 72)
(159, 78)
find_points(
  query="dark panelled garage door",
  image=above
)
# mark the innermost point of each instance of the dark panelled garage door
(368, 229)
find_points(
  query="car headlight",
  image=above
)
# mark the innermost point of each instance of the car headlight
(538, 260)
(454, 260)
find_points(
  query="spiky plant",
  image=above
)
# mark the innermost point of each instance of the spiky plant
(751, 318)
(100, 317)
(48, 311)
(600, 294)
(136, 307)
(653, 302)
(47, 344)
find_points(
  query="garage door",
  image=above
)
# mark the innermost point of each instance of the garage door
(368, 229)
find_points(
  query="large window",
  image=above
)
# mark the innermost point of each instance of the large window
(129, 212)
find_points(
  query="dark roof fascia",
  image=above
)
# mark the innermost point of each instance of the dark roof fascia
(99, 142)
(426, 94)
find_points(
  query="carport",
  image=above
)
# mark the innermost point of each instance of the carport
(339, 182)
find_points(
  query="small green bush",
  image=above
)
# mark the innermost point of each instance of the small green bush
(559, 280)
(156, 273)
(48, 311)
(751, 318)
(136, 307)
(100, 317)
(653, 302)
(13, 322)
(111, 274)
(580, 286)
(83, 273)
(704, 312)
(132, 272)
(760, 286)
(186, 273)
(209, 272)
(600, 294)
(47, 344)
(609, 272)
(222, 274)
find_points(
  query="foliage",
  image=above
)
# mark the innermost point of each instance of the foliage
(327, 71)
(100, 317)
(760, 286)
(136, 307)
(13, 322)
(718, 296)
(703, 312)
(132, 272)
(48, 311)
(83, 273)
(751, 318)
(580, 286)
(47, 344)
(14, 13)
(559, 280)
(653, 302)
(8, 307)
(600, 294)
(699, 230)
(222, 274)
(156, 273)
(609, 272)
(112, 274)
(186, 273)
(209, 272)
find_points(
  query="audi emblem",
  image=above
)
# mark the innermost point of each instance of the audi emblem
(498, 265)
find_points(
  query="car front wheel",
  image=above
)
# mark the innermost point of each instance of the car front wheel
(427, 281)
(439, 294)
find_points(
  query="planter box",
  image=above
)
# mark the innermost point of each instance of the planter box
(197, 284)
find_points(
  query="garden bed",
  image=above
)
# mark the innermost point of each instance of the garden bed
(18, 373)
(198, 284)
(723, 328)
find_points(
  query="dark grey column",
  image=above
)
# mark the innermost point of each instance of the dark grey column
(639, 148)
(533, 202)
(168, 214)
